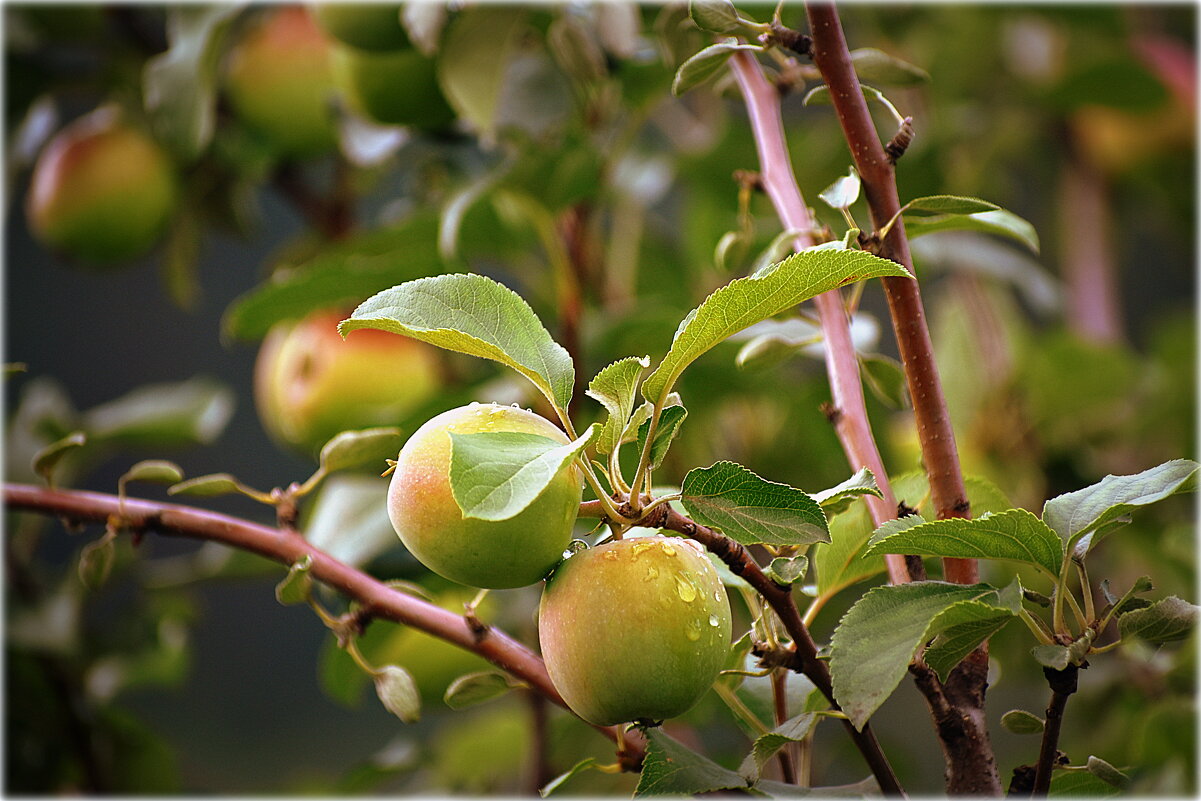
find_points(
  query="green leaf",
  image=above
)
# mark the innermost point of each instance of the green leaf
(350, 449)
(616, 388)
(349, 519)
(340, 275)
(745, 301)
(1107, 773)
(179, 85)
(181, 255)
(1164, 621)
(494, 476)
(875, 66)
(885, 377)
(476, 688)
(1079, 784)
(1128, 602)
(750, 509)
(398, 693)
(999, 222)
(1056, 657)
(297, 586)
(1075, 514)
(787, 571)
(877, 638)
(211, 485)
(839, 497)
(1019, 721)
(1015, 535)
(575, 50)
(163, 415)
(554, 784)
(670, 420)
(715, 16)
(158, 471)
(476, 52)
(843, 193)
(951, 646)
(96, 560)
(766, 747)
(671, 768)
(474, 315)
(949, 204)
(45, 460)
(705, 64)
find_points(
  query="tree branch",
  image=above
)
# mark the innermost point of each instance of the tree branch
(287, 547)
(842, 365)
(971, 765)
(878, 174)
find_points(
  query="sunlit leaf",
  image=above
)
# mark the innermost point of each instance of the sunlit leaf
(494, 476)
(476, 688)
(474, 315)
(750, 509)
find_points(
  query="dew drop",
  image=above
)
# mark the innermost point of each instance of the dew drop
(652, 573)
(667, 549)
(638, 549)
(693, 630)
(713, 620)
(685, 588)
(610, 555)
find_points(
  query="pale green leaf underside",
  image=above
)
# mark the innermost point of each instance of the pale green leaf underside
(835, 498)
(1164, 621)
(745, 301)
(665, 433)
(949, 204)
(1019, 721)
(1000, 222)
(1014, 536)
(474, 315)
(350, 449)
(715, 16)
(476, 52)
(766, 746)
(476, 688)
(616, 388)
(878, 637)
(704, 65)
(750, 509)
(398, 693)
(154, 470)
(1076, 513)
(494, 476)
(554, 784)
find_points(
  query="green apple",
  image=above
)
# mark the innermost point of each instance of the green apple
(493, 554)
(279, 80)
(634, 630)
(399, 88)
(367, 26)
(310, 383)
(102, 190)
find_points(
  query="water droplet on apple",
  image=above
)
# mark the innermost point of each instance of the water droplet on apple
(693, 630)
(713, 620)
(685, 588)
(667, 549)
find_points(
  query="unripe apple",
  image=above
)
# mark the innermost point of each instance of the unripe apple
(634, 630)
(367, 26)
(279, 80)
(397, 88)
(310, 384)
(102, 190)
(494, 554)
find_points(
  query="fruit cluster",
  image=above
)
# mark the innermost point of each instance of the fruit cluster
(631, 630)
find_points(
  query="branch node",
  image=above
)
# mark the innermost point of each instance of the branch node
(789, 39)
(900, 141)
(833, 413)
(749, 179)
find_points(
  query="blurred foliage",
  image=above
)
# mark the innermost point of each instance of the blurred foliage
(573, 176)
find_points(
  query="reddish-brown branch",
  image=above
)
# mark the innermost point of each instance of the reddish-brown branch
(287, 547)
(842, 365)
(937, 438)
(971, 766)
